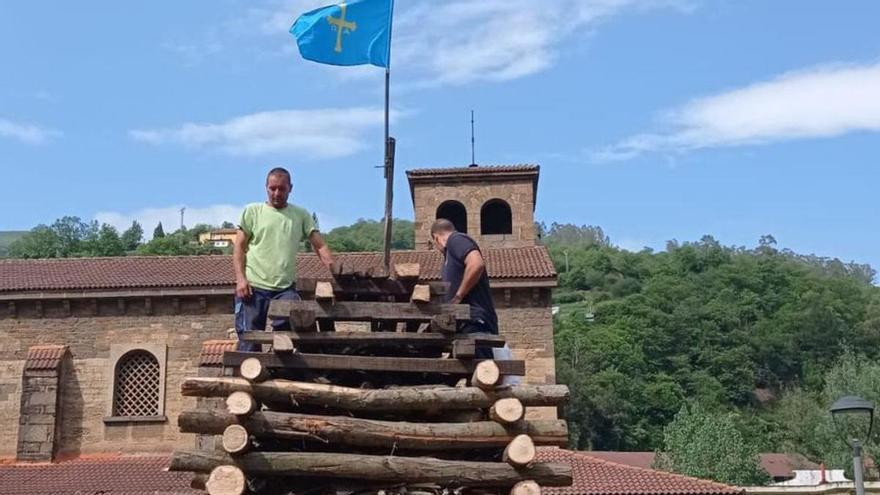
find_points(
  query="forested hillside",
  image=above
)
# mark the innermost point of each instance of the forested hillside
(759, 335)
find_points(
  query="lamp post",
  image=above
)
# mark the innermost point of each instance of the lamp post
(853, 406)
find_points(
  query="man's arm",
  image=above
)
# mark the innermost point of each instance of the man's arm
(473, 269)
(239, 250)
(321, 248)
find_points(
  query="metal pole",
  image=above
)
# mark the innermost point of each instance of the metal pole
(857, 468)
(389, 176)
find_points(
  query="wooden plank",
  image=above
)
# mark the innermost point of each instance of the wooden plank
(368, 287)
(374, 338)
(464, 348)
(369, 311)
(370, 363)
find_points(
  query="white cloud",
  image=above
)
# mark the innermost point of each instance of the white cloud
(318, 133)
(170, 217)
(820, 102)
(26, 133)
(459, 41)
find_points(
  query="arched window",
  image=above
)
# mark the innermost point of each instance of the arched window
(136, 385)
(454, 212)
(495, 218)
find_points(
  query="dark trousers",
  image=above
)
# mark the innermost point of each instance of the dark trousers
(251, 313)
(478, 326)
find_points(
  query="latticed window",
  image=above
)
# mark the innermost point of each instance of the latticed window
(136, 389)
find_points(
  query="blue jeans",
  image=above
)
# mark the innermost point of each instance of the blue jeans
(251, 313)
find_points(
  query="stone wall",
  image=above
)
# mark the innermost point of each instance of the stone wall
(87, 384)
(518, 193)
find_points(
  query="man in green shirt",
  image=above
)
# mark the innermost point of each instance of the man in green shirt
(264, 255)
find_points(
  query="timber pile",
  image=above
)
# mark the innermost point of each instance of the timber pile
(403, 408)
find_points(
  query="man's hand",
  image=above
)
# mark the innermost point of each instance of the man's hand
(322, 249)
(242, 289)
(456, 299)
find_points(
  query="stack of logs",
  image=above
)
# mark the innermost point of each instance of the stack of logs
(329, 410)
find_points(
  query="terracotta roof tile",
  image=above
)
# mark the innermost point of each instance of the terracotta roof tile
(594, 476)
(124, 475)
(777, 465)
(212, 351)
(44, 357)
(144, 272)
(478, 170)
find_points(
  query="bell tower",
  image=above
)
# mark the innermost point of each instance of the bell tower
(493, 204)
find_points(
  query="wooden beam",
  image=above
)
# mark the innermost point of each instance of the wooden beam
(374, 338)
(370, 363)
(375, 468)
(369, 311)
(357, 432)
(367, 287)
(358, 399)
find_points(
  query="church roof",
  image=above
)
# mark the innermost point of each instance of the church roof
(159, 272)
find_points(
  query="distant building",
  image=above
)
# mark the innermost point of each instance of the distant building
(219, 238)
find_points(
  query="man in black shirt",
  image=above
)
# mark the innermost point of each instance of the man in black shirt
(465, 271)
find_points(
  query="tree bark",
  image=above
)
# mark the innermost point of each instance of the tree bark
(343, 430)
(376, 468)
(356, 399)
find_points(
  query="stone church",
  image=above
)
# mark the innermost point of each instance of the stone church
(93, 351)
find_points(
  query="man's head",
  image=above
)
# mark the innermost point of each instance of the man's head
(441, 229)
(278, 187)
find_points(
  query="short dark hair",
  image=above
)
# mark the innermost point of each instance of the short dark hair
(442, 225)
(279, 171)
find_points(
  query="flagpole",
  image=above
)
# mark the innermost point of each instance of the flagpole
(389, 152)
(389, 175)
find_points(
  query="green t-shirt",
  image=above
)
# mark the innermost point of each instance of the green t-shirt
(274, 237)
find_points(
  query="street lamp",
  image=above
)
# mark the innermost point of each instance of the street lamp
(854, 407)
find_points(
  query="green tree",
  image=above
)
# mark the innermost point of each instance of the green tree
(708, 445)
(227, 225)
(158, 231)
(133, 236)
(103, 242)
(369, 235)
(41, 242)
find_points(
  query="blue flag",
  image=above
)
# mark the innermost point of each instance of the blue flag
(351, 33)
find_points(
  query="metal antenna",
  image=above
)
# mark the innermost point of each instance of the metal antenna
(473, 161)
(181, 216)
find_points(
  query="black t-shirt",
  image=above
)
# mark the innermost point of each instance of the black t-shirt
(479, 298)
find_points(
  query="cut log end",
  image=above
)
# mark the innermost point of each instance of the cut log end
(486, 375)
(253, 370)
(324, 291)
(526, 488)
(507, 411)
(241, 403)
(226, 480)
(520, 452)
(421, 294)
(282, 343)
(407, 271)
(235, 439)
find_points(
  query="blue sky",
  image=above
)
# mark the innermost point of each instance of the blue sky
(653, 119)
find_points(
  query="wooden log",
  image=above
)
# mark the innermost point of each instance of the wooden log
(369, 311)
(226, 480)
(373, 287)
(324, 291)
(303, 360)
(236, 439)
(356, 338)
(520, 452)
(528, 487)
(253, 370)
(443, 324)
(407, 271)
(375, 468)
(303, 320)
(487, 374)
(507, 411)
(464, 348)
(281, 342)
(356, 399)
(421, 294)
(241, 403)
(344, 430)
